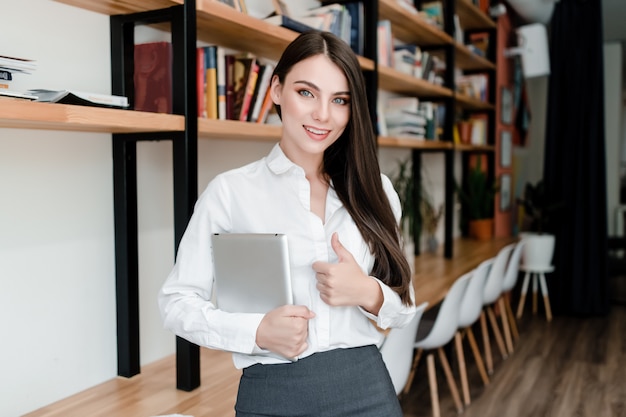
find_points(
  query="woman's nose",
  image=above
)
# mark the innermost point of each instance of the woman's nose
(321, 111)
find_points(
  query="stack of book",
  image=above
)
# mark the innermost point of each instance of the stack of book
(411, 60)
(345, 20)
(80, 98)
(9, 67)
(404, 118)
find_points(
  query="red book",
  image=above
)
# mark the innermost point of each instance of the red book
(200, 81)
(153, 77)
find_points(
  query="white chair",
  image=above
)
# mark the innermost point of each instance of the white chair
(444, 326)
(397, 349)
(510, 280)
(469, 312)
(491, 295)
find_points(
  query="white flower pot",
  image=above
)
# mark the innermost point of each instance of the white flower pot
(538, 250)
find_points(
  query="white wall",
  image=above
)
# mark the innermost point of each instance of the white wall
(56, 219)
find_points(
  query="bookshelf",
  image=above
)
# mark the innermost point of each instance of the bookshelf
(213, 22)
(409, 28)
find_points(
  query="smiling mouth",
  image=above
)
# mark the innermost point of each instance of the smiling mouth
(316, 131)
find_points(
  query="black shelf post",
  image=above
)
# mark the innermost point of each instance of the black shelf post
(185, 166)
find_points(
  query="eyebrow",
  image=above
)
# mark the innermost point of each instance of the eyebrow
(315, 87)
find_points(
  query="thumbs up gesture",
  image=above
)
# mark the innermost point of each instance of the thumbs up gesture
(344, 283)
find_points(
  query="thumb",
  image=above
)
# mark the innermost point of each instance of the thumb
(340, 250)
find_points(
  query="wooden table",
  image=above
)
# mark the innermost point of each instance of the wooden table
(434, 274)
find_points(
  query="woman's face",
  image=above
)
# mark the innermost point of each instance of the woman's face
(315, 106)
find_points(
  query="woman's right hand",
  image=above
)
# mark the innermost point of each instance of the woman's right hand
(284, 330)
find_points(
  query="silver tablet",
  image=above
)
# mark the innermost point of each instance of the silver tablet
(251, 272)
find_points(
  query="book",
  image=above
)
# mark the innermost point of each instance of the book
(200, 82)
(405, 118)
(356, 10)
(266, 107)
(221, 83)
(479, 129)
(243, 65)
(6, 93)
(385, 43)
(434, 10)
(23, 65)
(80, 98)
(295, 24)
(210, 56)
(263, 83)
(229, 64)
(153, 77)
(5, 75)
(253, 76)
(406, 103)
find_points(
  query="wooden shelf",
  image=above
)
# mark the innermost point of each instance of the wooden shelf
(217, 23)
(395, 81)
(474, 148)
(21, 114)
(235, 130)
(467, 60)
(220, 24)
(113, 7)
(472, 17)
(410, 28)
(469, 103)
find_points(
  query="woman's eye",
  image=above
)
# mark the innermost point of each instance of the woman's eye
(305, 93)
(340, 100)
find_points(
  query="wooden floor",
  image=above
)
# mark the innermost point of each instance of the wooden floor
(569, 367)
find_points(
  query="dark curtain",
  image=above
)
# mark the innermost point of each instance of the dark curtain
(574, 165)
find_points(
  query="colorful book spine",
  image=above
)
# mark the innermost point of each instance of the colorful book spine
(200, 82)
(211, 81)
(229, 61)
(221, 83)
(249, 91)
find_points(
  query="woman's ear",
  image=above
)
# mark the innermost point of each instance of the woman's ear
(276, 89)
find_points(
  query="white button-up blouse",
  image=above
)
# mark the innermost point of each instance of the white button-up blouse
(272, 195)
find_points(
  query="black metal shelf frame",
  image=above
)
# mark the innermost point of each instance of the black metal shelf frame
(185, 160)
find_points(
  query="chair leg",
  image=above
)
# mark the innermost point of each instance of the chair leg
(409, 380)
(505, 325)
(458, 341)
(453, 388)
(546, 299)
(479, 360)
(522, 300)
(496, 332)
(486, 342)
(432, 383)
(511, 316)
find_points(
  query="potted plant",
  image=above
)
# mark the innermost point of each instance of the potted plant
(477, 196)
(538, 210)
(414, 221)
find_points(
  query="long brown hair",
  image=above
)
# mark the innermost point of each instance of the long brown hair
(352, 161)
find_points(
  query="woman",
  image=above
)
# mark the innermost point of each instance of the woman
(321, 186)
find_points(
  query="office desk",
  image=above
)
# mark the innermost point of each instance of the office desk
(434, 274)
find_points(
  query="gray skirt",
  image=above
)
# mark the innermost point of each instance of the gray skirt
(339, 383)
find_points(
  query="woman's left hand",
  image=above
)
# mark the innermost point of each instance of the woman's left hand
(344, 283)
